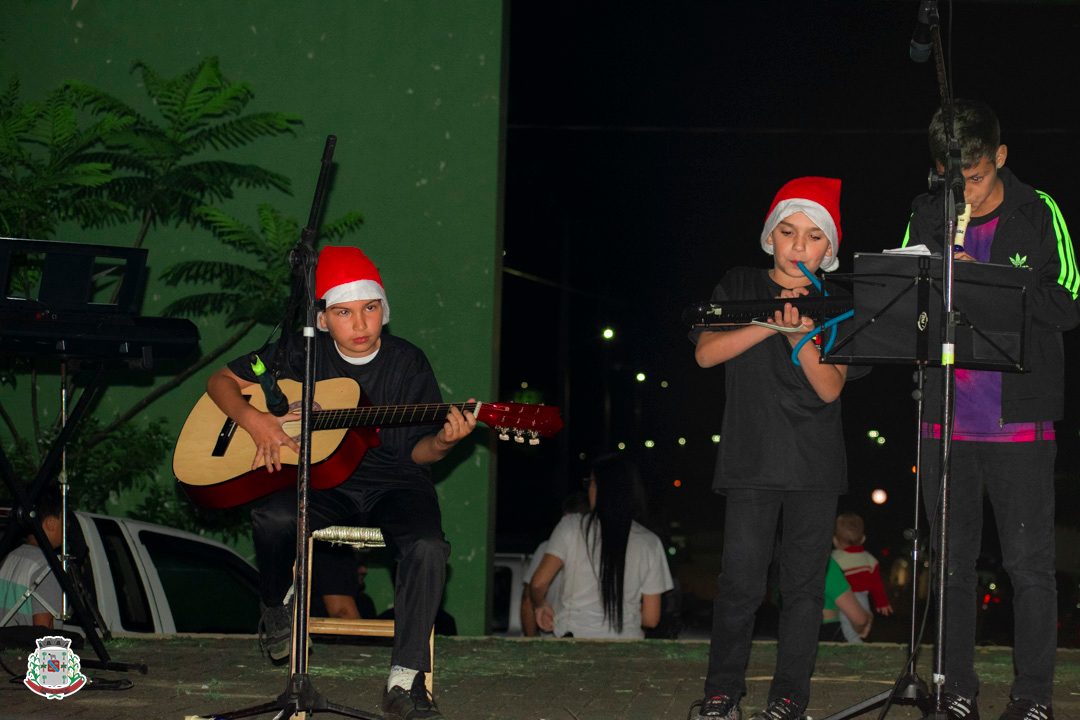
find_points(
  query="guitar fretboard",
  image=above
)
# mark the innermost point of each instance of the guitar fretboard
(387, 415)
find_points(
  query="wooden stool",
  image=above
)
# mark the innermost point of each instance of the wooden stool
(358, 537)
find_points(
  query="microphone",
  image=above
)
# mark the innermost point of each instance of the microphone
(276, 402)
(919, 50)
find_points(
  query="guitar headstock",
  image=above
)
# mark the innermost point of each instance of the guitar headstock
(524, 422)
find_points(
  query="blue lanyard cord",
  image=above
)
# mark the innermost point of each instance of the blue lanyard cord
(812, 278)
(829, 324)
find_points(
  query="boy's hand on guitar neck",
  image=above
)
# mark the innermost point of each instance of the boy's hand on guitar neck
(435, 447)
(456, 427)
(268, 435)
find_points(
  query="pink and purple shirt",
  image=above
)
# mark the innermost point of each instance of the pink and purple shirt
(977, 415)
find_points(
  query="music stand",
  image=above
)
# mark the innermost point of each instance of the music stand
(897, 298)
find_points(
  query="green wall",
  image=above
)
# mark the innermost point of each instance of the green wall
(413, 92)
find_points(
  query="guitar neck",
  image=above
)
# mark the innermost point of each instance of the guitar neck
(383, 416)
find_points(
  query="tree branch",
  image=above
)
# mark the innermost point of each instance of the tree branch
(16, 436)
(144, 227)
(34, 411)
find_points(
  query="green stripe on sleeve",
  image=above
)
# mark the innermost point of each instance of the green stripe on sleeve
(1069, 276)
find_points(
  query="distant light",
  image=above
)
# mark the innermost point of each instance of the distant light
(640, 377)
(663, 383)
(914, 470)
(872, 434)
(681, 441)
(650, 443)
(716, 438)
(880, 441)
(608, 333)
(621, 446)
(671, 551)
(524, 385)
(879, 497)
(677, 482)
(581, 456)
(992, 586)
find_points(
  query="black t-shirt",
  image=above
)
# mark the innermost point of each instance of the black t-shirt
(400, 374)
(777, 433)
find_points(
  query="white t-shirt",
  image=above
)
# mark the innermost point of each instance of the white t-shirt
(20, 570)
(646, 573)
(554, 593)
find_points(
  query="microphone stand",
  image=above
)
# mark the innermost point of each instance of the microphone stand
(300, 696)
(954, 188)
(909, 688)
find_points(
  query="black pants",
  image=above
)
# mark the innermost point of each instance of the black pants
(750, 523)
(1019, 480)
(412, 526)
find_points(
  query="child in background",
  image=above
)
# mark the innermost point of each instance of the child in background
(860, 568)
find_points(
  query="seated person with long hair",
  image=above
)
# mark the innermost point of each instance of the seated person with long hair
(615, 569)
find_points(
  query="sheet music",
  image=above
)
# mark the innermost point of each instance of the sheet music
(909, 250)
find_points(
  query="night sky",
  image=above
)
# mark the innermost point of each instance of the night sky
(645, 141)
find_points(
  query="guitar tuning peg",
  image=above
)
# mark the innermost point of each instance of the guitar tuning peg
(502, 433)
(534, 441)
(519, 439)
(534, 437)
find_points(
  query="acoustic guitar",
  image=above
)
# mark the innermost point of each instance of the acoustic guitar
(212, 459)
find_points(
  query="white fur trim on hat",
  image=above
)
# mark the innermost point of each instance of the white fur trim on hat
(817, 214)
(358, 290)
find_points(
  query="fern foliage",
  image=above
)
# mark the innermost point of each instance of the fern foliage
(254, 285)
(171, 165)
(50, 167)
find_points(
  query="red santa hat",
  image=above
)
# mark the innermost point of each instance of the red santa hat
(816, 197)
(344, 274)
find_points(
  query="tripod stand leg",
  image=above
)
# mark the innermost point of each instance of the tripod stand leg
(243, 713)
(864, 706)
(909, 690)
(299, 700)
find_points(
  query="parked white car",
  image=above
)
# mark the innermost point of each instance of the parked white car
(154, 579)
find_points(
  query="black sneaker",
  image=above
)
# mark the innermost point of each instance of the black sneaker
(717, 707)
(958, 707)
(779, 709)
(275, 633)
(1018, 709)
(413, 704)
